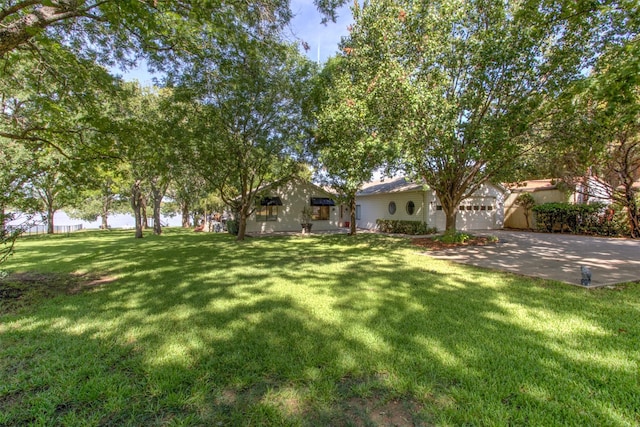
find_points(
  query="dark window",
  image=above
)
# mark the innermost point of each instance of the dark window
(267, 209)
(483, 208)
(438, 207)
(320, 213)
(489, 208)
(411, 207)
(320, 208)
(358, 212)
(392, 208)
(476, 207)
(267, 213)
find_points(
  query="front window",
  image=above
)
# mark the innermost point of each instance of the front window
(411, 207)
(267, 209)
(321, 208)
(320, 213)
(392, 208)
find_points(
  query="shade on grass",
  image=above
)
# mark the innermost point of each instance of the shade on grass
(197, 329)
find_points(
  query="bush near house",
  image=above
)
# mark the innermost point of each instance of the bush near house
(404, 227)
(232, 227)
(595, 218)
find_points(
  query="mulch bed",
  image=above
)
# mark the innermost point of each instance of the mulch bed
(431, 244)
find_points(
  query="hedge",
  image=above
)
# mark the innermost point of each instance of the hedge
(578, 218)
(404, 227)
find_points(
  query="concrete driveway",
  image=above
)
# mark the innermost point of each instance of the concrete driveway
(554, 256)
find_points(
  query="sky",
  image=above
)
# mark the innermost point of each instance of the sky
(323, 39)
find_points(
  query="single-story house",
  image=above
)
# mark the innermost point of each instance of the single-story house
(400, 199)
(591, 190)
(279, 208)
(542, 190)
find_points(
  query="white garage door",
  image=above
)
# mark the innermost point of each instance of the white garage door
(477, 213)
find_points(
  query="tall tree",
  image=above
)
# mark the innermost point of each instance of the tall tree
(16, 168)
(102, 196)
(347, 143)
(478, 76)
(52, 186)
(250, 119)
(187, 189)
(148, 144)
(597, 130)
(115, 29)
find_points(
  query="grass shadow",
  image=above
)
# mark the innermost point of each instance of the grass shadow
(325, 330)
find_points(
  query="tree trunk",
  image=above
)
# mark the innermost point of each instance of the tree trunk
(184, 207)
(242, 224)
(157, 191)
(104, 221)
(157, 225)
(50, 225)
(143, 212)
(632, 213)
(352, 212)
(451, 213)
(3, 220)
(136, 205)
(21, 30)
(104, 215)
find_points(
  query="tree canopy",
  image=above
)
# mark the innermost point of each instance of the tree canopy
(455, 93)
(246, 113)
(478, 77)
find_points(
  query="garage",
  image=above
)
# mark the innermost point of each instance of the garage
(475, 213)
(404, 200)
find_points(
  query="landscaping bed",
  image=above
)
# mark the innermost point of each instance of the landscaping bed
(436, 243)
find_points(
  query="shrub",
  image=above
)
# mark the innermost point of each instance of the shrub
(232, 227)
(527, 202)
(579, 219)
(404, 227)
(614, 221)
(453, 237)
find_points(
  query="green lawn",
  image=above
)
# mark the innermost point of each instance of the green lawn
(196, 329)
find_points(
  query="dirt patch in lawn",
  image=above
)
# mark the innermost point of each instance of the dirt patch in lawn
(373, 411)
(367, 401)
(431, 244)
(21, 290)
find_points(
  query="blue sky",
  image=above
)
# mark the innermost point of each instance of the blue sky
(322, 39)
(306, 25)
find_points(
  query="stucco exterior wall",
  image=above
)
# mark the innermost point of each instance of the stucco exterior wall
(295, 196)
(376, 206)
(514, 215)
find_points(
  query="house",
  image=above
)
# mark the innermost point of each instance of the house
(279, 208)
(542, 190)
(589, 190)
(400, 199)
